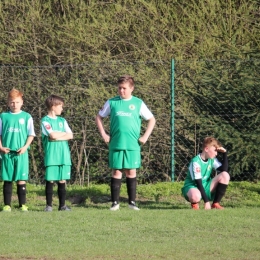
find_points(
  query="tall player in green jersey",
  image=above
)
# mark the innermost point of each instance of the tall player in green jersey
(16, 135)
(126, 112)
(57, 161)
(199, 184)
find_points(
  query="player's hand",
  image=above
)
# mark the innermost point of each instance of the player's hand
(221, 150)
(207, 205)
(21, 150)
(5, 149)
(142, 140)
(106, 138)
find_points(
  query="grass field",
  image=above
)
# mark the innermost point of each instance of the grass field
(164, 228)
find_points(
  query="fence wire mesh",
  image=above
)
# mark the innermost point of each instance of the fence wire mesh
(219, 98)
(85, 89)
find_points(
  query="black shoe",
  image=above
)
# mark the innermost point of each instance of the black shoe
(64, 208)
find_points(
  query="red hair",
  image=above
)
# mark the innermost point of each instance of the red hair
(210, 141)
(14, 93)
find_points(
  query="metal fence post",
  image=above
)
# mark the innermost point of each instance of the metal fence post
(172, 120)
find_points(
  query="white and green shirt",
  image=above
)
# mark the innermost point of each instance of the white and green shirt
(55, 152)
(125, 121)
(15, 129)
(200, 169)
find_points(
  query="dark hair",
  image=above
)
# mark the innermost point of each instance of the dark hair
(126, 78)
(53, 100)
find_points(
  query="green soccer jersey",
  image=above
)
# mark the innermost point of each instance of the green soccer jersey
(125, 123)
(55, 152)
(15, 129)
(200, 169)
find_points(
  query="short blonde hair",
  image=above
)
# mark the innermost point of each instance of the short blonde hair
(14, 93)
(210, 141)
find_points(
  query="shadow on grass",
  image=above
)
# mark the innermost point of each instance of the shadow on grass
(96, 196)
(103, 201)
(161, 205)
(254, 189)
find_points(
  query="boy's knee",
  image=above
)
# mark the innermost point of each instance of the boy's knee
(21, 182)
(117, 174)
(131, 173)
(194, 196)
(194, 199)
(225, 176)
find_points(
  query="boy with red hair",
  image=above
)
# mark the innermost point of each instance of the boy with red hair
(16, 135)
(199, 184)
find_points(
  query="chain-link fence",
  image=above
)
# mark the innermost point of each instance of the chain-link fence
(85, 89)
(219, 98)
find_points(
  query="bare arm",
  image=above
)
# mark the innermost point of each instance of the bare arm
(65, 137)
(55, 135)
(102, 131)
(149, 129)
(3, 149)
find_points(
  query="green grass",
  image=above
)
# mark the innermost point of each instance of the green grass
(164, 228)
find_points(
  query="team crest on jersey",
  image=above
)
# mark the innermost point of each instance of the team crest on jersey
(132, 107)
(209, 167)
(21, 121)
(48, 127)
(60, 125)
(197, 169)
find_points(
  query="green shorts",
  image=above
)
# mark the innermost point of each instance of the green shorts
(206, 186)
(124, 159)
(14, 167)
(57, 172)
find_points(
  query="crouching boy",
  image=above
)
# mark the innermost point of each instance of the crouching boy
(199, 184)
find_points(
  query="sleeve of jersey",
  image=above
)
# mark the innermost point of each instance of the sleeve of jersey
(195, 171)
(0, 126)
(30, 127)
(46, 128)
(67, 128)
(105, 110)
(217, 164)
(145, 113)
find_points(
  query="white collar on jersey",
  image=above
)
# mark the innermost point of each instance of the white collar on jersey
(126, 99)
(55, 117)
